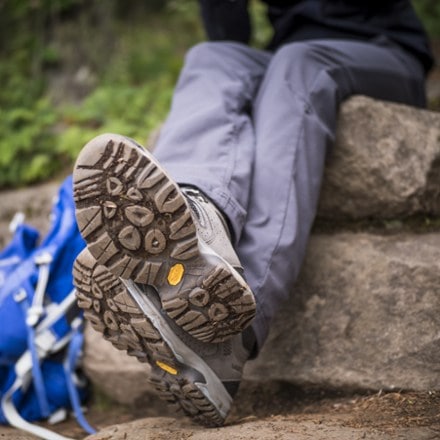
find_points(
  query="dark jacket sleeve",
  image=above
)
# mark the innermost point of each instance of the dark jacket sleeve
(226, 20)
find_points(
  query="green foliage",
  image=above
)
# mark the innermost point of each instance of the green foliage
(22, 52)
(261, 28)
(134, 94)
(429, 13)
(134, 50)
(135, 79)
(134, 111)
(26, 144)
(26, 117)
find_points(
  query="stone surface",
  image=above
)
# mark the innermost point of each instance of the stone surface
(280, 428)
(365, 314)
(385, 163)
(35, 202)
(114, 372)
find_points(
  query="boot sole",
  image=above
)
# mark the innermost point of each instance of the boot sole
(178, 375)
(137, 223)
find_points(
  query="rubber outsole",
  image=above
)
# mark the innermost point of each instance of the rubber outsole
(111, 311)
(138, 224)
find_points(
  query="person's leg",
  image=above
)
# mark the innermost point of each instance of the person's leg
(139, 223)
(294, 117)
(159, 277)
(208, 138)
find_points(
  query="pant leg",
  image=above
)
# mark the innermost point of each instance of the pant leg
(208, 139)
(294, 117)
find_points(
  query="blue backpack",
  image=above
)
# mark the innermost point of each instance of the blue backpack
(41, 328)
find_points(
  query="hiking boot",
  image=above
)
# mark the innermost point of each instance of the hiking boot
(139, 224)
(195, 377)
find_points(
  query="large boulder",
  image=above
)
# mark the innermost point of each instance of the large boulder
(364, 315)
(116, 374)
(385, 162)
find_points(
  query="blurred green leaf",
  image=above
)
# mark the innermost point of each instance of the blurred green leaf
(132, 50)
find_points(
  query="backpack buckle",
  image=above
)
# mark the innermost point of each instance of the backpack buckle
(36, 310)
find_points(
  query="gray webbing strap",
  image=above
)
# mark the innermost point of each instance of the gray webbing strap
(17, 421)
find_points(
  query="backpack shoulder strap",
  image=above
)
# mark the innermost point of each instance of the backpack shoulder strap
(46, 343)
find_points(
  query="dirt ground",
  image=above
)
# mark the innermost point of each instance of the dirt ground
(275, 410)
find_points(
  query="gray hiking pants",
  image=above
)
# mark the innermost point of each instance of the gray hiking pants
(251, 129)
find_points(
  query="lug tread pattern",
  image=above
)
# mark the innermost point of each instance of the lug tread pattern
(216, 308)
(183, 396)
(111, 311)
(127, 208)
(137, 223)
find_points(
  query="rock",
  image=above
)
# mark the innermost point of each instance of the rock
(35, 202)
(365, 314)
(279, 427)
(115, 373)
(385, 162)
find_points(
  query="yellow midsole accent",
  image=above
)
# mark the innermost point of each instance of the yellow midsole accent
(175, 274)
(166, 367)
